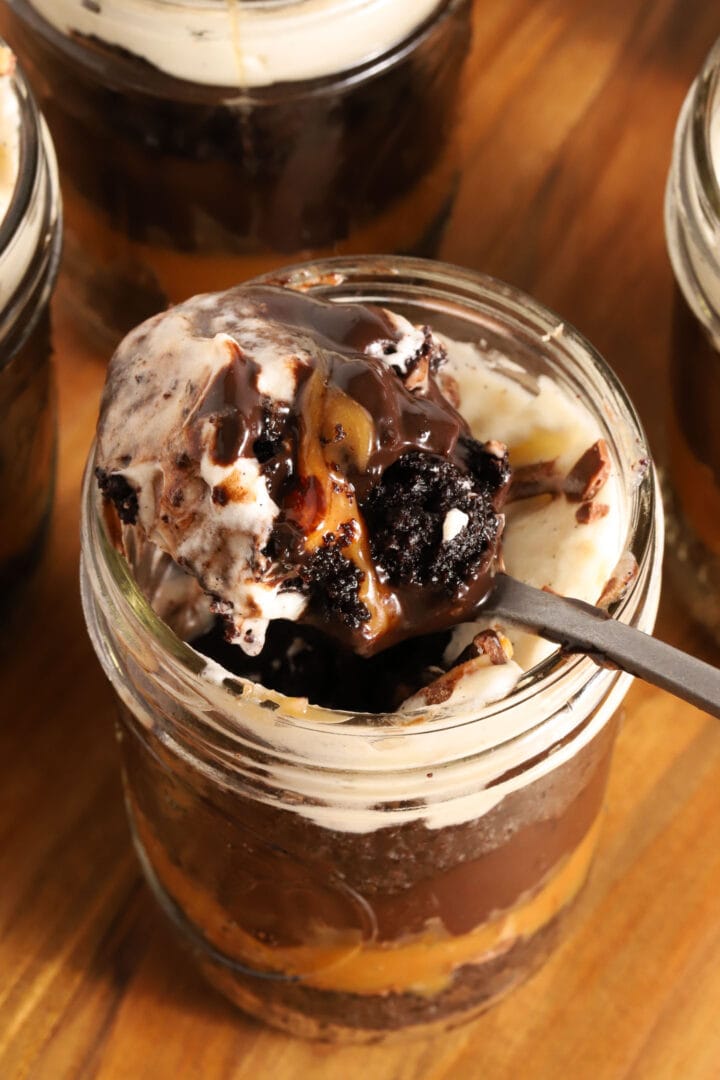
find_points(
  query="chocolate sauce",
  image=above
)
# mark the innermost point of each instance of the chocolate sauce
(364, 461)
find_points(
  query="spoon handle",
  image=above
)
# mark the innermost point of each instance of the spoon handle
(580, 627)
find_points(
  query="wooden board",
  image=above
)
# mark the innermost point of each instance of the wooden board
(571, 106)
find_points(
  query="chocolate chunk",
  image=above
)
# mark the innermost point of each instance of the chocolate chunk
(619, 581)
(333, 582)
(538, 478)
(589, 473)
(588, 512)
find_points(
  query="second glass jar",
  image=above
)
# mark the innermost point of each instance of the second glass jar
(203, 143)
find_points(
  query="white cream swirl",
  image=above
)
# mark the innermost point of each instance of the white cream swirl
(241, 44)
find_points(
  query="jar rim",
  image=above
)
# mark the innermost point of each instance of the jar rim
(465, 288)
(29, 156)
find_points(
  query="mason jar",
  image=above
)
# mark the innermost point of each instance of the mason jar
(30, 236)
(353, 876)
(203, 143)
(692, 229)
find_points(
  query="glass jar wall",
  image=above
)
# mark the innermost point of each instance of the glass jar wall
(354, 876)
(30, 234)
(692, 223)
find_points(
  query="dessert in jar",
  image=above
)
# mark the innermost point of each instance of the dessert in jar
(29, 252)
(692, 227)
(203, 142)
(365, 808)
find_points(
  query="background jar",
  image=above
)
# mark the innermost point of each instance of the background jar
(30, 237)
(352, 877)
(692, 227)
(193, 160)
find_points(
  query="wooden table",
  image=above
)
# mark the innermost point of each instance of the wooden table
(572, 105)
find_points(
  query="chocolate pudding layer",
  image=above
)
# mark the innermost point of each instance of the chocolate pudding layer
(175, 186)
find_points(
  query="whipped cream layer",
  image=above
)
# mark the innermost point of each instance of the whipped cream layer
(234, 43)
(9, 131)
(544, 544)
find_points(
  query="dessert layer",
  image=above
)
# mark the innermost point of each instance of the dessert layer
(422, 963)
(341, 1017)
(387, 882)
(241, 44)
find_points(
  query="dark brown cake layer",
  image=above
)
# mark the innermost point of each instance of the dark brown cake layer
(280, 876)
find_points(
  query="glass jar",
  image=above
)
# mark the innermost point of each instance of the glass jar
(202, 143)
(692, 227)
(349, 876)
(30, 236)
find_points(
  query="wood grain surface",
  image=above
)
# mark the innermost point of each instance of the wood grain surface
(571, 106)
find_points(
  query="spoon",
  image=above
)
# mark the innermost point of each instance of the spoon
(583, 628)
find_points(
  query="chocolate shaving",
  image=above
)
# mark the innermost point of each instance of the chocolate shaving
(619, 581)
(486, 643)
(539, 478)
(589, 473)
(588, 512)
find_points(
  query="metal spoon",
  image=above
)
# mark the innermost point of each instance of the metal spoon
(580, 627)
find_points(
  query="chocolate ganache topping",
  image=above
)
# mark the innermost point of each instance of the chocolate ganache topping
(299, 458)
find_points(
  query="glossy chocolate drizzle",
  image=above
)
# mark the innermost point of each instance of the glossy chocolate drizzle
(353, 417)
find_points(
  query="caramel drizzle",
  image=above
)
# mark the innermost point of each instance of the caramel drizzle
(328, 509)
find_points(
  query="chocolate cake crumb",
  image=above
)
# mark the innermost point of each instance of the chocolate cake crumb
(117, 490)
(589, 473)
(332, 582)
(405, 512)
